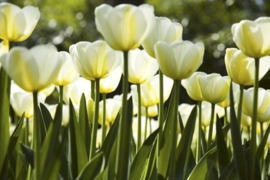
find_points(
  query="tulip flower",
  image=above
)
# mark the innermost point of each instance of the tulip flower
(180, 59)
(34, 69)
(17, 24)
(263, 109)
(185, 111)
(252, 38)
(111, 82)
(125, 26)
(152, 111)
(67, 73)
(150, 91)
(164, 30)
(240, 67)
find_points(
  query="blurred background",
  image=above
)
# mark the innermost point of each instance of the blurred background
(66, 22)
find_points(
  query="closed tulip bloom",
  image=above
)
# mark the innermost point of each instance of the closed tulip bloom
(94, 60)
(164, 30)
(75, 90)
(180, 59)
(141, 66)
(112, 109)
(263, 108)
(34, 69)
(192, 86)
(67, 72)
(252, 37)
(125, 26)
(206, 113)
(152, 111)
(240, 67)
(17, 24)
(111, 82)
(4, 47)
(150, 91)
(52, 109)
(214, 87)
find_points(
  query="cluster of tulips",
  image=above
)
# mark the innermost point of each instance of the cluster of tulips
(85, 137)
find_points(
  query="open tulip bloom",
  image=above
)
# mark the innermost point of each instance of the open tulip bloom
(151, 136)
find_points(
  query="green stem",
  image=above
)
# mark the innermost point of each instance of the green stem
(239, 112)
(139, 135)
(261, 138)
(36, 137)
(95, 123)
(160, 116)
(198, 150)
(27, 132)
(145, 123)
(225, 121)
(121, 142)
(61, 104)
(93, 83)
(174, 132)
(150, 125)
(253, 145)
(104, 118)
(211, 125)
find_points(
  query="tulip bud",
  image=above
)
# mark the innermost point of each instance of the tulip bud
(125, 26)
(17, 24)
(252, 37)
(111, 82)
(180, 59)
(164, 30)
(240, 67)
(112, 109)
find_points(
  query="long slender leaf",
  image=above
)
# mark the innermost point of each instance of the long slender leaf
(46, 116)
(84, 124)
(142, 155)
(15, 135)
(261, 147)
(152, 171)
(77, 149)
(238, 153)
(205, 164)
(28, 153)
(92, 169)
(222, 152)
(183, 149)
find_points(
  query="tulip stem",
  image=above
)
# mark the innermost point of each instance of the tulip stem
(211, 125)
(225, 122)
(61, 88)
(123, 136)
(198, 150)
(174, 130)
(36, 137)
(93, 83)
(145, 123)
(261, 138)
(27, 131)
(253, 145)
(104, 118)
(95, 123)
(239, 112)
(139, 135)
(160, 115)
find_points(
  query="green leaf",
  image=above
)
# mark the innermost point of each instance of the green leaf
(228, 171)
(260, 149)
(152, 170)
(238, 153)
(4, 122)
(15, 135)
(77, 150)
(91, 170)
(180, 122)
(112, 162)
(110, 139)
(46, 116)
(29, 154)
(165, 142)
(183, 149)
(205, 164)
(141, 157)
(84, 124)
(222, 151)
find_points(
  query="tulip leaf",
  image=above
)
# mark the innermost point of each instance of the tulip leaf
(91, 170)
(183, 150)
(102, 175)
(112, 161)
(260, 150)
(238, 153)
(180, 122)
(15, 135)
(29, 154)
(228, 171)
(46, 115)
(222, 152)
(84, 124)
(77, 150)
(206, 163)
(165, 142)
(141, 157)
(4, 122)
(151, 170)
(108, 143)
